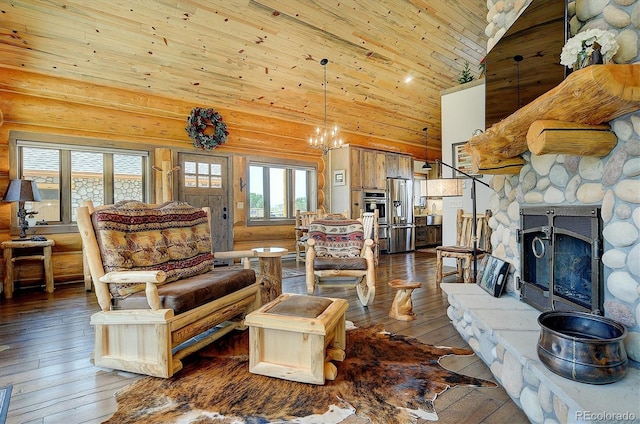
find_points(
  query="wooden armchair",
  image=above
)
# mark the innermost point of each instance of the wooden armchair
(160, 298)
(303, 219)
(338, 252)
(462, 251)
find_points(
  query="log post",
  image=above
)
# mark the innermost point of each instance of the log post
(550, 136)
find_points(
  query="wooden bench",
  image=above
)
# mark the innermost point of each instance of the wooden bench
(160, 297)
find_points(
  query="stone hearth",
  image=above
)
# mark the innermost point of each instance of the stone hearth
(504, 333)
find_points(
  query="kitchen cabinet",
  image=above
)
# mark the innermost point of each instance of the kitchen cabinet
(434, 235)
(356, 203)
(374, 174)
(427, 235)
(399, 166)
(391, 163)
(355, 167)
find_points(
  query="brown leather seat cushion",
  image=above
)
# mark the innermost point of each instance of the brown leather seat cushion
(323, 263)
(188, 293)
(458, 249)
(301, 306)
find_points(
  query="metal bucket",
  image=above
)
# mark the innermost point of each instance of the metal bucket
(583, 347)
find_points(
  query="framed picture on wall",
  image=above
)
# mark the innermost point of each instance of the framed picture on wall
(339, 178)
(461, 160)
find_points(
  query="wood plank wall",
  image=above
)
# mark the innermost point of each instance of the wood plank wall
(35, 103)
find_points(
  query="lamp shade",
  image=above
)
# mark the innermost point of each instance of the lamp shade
(444, 187)
(22, 191)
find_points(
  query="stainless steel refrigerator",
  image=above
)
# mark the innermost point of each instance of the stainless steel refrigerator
(400, 215)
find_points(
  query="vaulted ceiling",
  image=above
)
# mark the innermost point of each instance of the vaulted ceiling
(262, 56)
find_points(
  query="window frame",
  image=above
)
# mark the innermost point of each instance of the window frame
(290, 168)
(19, 139)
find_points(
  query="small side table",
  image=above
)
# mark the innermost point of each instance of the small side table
(10, 258)
(402, 307)
(270, 260)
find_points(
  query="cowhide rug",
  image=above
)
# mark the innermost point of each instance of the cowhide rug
(386, 378)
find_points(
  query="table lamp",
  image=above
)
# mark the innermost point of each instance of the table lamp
(21, 191)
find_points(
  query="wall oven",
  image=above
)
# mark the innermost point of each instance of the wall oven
(376, 200)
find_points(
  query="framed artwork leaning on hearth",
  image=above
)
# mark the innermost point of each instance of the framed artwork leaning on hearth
(492, 275)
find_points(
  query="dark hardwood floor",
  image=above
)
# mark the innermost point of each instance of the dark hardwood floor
(46, 341)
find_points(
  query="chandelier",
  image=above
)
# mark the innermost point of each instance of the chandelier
(325, 138)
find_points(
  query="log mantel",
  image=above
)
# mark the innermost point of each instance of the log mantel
(594, 95)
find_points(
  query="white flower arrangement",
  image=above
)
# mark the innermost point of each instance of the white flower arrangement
(581, 46)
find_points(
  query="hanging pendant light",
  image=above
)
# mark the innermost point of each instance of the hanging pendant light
(326, 138)
(426, 165)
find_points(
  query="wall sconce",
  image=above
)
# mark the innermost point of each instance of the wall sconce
(22, 191)
(444, 187)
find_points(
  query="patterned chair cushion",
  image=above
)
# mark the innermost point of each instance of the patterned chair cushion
(337, 238)
(173, 237)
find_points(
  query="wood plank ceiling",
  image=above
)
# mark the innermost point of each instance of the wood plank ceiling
(262, 56)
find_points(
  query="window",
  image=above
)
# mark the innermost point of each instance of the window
(202, 175)
(68, 174)
(276, 191)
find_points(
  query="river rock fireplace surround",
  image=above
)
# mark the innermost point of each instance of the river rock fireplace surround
(504, 331)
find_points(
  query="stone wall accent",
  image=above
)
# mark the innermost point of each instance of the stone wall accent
(612, 181)
(126, 187)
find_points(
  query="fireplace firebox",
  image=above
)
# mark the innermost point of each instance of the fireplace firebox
(560, 254)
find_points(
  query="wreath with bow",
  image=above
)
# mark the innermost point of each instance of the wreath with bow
(206, 129)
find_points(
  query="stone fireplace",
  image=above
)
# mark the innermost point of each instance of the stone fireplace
(504, 331)
(558, 179)
(611, 182)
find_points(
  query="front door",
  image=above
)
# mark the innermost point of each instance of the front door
(204, 182)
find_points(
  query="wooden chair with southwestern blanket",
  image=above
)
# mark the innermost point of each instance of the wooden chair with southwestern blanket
(339, 254)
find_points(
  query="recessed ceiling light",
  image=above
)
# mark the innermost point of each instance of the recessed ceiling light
(408, 79)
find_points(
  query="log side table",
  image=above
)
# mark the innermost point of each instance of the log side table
(402, 307)
(11, 256)
(270, 261)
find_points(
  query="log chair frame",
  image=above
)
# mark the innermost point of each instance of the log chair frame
(147, 341)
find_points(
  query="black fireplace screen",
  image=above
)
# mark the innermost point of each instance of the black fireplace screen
(560, 254)
(572, 269)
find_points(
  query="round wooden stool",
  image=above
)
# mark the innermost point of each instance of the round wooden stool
(401, 309)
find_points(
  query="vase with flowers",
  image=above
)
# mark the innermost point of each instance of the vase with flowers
(589, 47)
